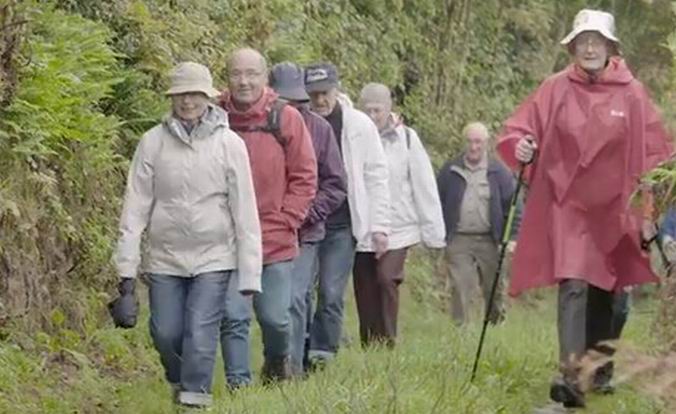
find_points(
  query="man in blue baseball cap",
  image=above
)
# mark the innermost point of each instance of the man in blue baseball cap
(362, 221)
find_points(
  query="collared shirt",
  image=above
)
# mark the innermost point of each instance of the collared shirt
(475, 206)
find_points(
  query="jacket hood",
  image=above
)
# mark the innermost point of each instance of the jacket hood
(258, 109)
(616, 72)
(345, 101)
(214, 118)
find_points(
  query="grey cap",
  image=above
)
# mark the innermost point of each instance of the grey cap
(321, 77)
(287, 80)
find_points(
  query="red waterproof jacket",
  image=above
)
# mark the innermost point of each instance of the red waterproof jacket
(595, 138)
(284, 178)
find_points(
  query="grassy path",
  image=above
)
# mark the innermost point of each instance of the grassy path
(427, 373)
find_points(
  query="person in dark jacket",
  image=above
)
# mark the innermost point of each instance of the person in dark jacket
(361, 223)
(475, 191)
(287, 80)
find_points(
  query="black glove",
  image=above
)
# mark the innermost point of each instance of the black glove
(124, 309)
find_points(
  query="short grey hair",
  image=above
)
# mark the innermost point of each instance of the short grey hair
(476, 126)
(375, 93)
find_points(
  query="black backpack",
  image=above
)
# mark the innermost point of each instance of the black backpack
(272, 126)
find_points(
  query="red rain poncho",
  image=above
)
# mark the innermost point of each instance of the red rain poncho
(595, 139)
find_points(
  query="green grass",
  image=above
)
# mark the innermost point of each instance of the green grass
(428, 372)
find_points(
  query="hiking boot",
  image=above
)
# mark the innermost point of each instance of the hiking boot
(276, 369)
(175, 391)
(194, 400)
(233, 387)
(601, 383)
(317, 363)
(567, 393)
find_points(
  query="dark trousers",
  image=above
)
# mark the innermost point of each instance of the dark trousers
(621, 305)
(376, 289)
(585, 320)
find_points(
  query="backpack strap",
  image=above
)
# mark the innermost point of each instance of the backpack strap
(273, 124)
(408, 148)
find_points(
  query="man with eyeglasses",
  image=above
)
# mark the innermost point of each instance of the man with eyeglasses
(284, 170)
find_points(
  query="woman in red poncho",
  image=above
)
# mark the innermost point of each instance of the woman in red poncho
(587, 134)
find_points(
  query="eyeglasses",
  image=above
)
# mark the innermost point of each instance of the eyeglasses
(582, 43)
(247, 74)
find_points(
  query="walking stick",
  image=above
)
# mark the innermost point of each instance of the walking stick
(660, 249)
(506, 231)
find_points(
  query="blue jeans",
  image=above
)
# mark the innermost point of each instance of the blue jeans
(271, 307)
(304, 269)
(184, 321)
(235, 336)
(336, 254)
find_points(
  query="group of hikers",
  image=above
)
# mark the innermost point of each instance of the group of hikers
(256, 197)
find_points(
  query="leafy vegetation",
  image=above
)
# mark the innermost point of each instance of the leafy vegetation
(81, 80)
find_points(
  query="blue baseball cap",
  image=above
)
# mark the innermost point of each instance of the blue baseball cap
(321, 77)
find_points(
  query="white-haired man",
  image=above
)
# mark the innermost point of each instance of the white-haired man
(475, 191)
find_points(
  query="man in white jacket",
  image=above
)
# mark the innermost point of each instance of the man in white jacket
(363, 220)
(415, 216)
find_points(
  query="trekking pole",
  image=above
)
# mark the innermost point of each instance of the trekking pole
(506, 231)
(655, 239)
(668, 266)
(660, 249)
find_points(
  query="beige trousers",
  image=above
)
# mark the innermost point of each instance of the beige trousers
(472, 261)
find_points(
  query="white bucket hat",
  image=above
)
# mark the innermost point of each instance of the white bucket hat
(588, 20)
(191, 77)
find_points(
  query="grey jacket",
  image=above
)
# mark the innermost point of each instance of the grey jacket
(194, 194)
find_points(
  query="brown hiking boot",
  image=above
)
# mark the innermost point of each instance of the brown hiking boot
(276, 369)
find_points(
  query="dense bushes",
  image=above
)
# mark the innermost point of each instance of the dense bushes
(60, 168)
(89, 77)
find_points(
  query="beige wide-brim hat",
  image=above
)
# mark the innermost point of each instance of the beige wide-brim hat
(191, 77)
(592, 21)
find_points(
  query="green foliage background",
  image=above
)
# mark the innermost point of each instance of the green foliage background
(81, 80)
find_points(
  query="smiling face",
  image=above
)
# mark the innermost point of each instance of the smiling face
(247, 77)
(189, 106)
(591, 51)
